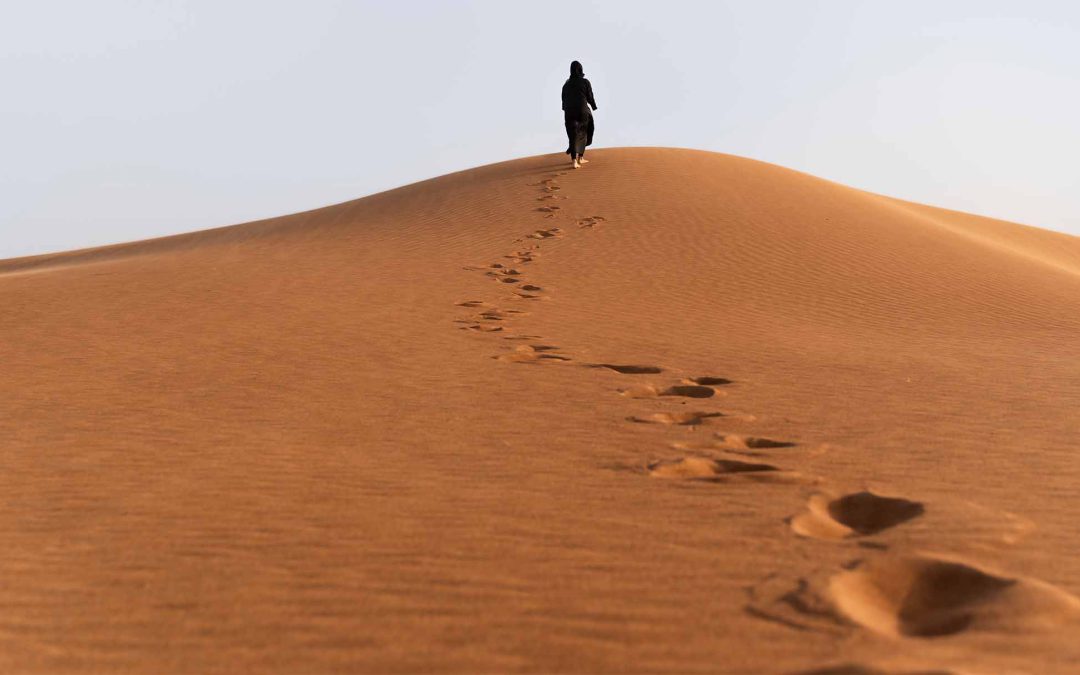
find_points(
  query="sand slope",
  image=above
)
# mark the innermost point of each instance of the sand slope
(676, 411)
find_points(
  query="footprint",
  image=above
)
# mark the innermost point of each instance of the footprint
(735, 444)
(531, 288)
(532, 354)
(927, 596)
(628, 369)
(701, 468)
(470, 303)
(853, 515)
(538, 348)
(545, 183)
(650, 391)
(741, 442)
(485, 328)
(591, 221)
(499, 314)
(548, 209)
(677, 418)
(508, 280)
(708, 381)
(545, 234)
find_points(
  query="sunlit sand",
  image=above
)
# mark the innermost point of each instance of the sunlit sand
(679, 411)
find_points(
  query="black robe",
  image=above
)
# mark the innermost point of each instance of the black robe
(577, 99)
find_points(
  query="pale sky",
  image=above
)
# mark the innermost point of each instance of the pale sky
(124, 120)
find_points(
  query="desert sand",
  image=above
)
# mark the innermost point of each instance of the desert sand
(676, 411)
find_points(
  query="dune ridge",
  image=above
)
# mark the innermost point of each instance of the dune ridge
(427, 417)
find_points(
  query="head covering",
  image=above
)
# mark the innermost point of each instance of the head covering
(576, 70)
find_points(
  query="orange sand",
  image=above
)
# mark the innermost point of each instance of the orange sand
(379, 436)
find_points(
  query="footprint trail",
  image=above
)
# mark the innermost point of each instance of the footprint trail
(892, 592)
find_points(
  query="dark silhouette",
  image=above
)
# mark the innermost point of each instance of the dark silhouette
(577, 98)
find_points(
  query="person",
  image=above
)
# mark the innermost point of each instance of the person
(577, 98)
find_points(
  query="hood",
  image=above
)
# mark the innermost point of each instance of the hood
(576, 70)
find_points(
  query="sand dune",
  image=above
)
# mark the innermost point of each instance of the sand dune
(676, 411)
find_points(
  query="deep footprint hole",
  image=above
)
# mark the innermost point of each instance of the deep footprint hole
(690, 391)
(710, 381)
(629, 369)
(934, 605)
(867, 513)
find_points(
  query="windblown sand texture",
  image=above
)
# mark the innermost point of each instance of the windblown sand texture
(673, 412)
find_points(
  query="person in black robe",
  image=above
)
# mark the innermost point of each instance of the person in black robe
(577, 99)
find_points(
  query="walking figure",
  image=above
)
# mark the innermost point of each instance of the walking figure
(577, 98)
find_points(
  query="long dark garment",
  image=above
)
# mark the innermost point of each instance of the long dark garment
(578, 104)
(579, 133)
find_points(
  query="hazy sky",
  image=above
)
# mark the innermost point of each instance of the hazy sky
(124, 120)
